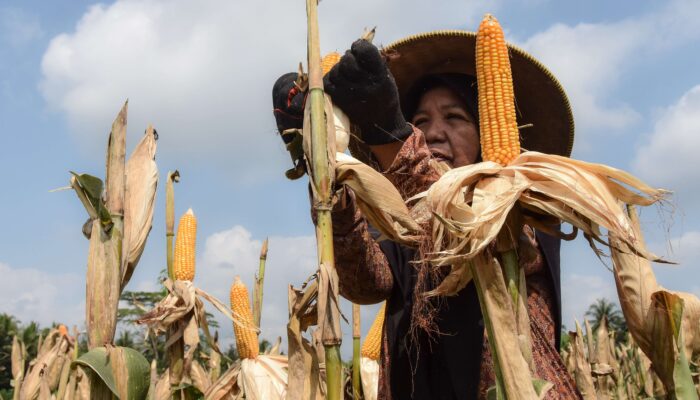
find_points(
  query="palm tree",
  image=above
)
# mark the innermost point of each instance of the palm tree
(9, 326)
(30, 336)
(125, 339)
(603, 308)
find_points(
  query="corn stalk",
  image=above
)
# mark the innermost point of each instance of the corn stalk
(258, 288)
(105, 254)
(170, 219)
(121, 215)
(322, 172)
(356, 386)
(176, 352)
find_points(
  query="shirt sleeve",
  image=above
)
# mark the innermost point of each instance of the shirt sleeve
(363, 269)
(414, 169)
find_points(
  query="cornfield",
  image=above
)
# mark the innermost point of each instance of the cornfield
(472, 212)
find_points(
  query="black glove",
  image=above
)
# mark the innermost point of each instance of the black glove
(362, 86)
(288, 103)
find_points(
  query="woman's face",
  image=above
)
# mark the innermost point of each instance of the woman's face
(450, 130)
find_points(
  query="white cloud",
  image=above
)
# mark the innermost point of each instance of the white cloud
(683, 250)
(587, 59)
(234, 252)
(669, 158)
(202, 72)
(580, 291)
(33, 295)
(590, 60)
(17, 27)
(687, 248)
(291, 260)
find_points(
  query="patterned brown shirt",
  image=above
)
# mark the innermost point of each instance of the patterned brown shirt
(366, 278)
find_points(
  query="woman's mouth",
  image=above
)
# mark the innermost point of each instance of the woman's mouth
(441, 157)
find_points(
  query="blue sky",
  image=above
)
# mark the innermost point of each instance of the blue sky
(202, 74)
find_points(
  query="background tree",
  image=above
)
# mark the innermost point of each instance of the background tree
(605, 308)
(8, 328)
(29, 334)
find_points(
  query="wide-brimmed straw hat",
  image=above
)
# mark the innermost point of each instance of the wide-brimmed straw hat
(540, 98)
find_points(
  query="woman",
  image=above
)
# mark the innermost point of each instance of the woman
(433, 349)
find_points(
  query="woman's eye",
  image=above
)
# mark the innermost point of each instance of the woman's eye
(420, 121)
(457, 116)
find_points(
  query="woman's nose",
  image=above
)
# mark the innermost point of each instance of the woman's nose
(436, 132)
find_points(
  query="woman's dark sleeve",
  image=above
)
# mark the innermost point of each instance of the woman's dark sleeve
(363, 269)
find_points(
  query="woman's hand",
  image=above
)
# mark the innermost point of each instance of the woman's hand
(362, 86)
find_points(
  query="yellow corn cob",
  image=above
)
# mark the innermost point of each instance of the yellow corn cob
(183, 262)
(328, 61)
(244, 328)
(63, 330)
(500, 140)
(373, 341)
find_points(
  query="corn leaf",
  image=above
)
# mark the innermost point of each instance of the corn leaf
(668, 358)
(123, 370)
(91, 188)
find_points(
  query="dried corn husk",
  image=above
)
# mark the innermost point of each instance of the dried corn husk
(38, 372)
(369, 370)
(582, 369)
(226, 387)
(472, 204)
(141, 183)
(260, 378)
(181, 300)
(103, 283)
(83, 381)
(54, 373)
(104, 275)
(214, 362)
(341, 123)
(19, 355)
(601, 362)
(636, 282)
(304, 381)
(200, 378)
(378, 199)
(44, 389)
(160, 385)
(182, 313)
(264, 377)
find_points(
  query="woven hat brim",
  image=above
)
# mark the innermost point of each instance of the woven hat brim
(540, 98)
